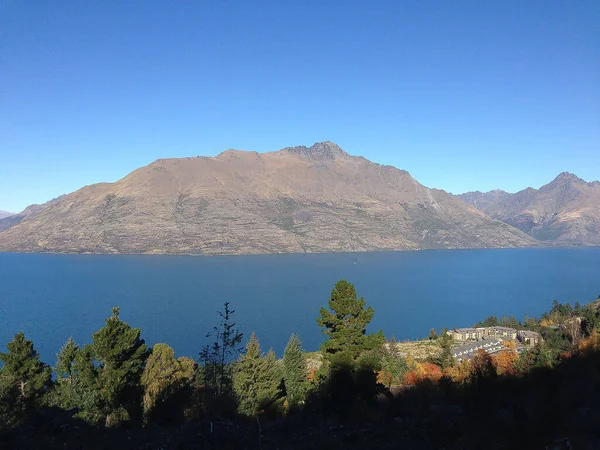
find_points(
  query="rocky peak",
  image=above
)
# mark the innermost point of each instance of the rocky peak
(565, 177)
(321, 151)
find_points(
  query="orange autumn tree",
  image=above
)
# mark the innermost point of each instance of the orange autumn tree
(504, 362)
(482, 366)
(460, 373)
(423, 372)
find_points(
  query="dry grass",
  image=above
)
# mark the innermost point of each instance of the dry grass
(418, 350)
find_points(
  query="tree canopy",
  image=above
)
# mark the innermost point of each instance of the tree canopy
(345, 324)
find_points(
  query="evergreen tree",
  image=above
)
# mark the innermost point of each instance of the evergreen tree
(345, 325)
(393, 365)
(65, 360)
(216, 371)
(165, 377)
(24, 378)
(23, 371)
(294, 371)
(256, 379)
(120, 354)
(433, 334)
(64, 393)
(85, 390)
(445, 358)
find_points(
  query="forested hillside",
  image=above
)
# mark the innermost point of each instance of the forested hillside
(359, 391)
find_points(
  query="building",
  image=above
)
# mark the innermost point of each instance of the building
(467, 334)
(502, 332)
(528, 337)
(476, 334)
(467, 351)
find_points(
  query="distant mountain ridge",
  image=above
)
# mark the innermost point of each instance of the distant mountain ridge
(298, 199)
(4, 214)
(31, 210)
(566, 210)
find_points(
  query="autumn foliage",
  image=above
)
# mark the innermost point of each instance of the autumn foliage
(423, 372)
(504, 362)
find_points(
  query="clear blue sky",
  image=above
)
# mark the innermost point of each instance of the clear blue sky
(464, 95)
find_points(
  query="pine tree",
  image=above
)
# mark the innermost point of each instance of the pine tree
(393, 365)
(345, 325)
(64, 392)
(433, 334)
(216, 371)
(294, 371)
(445, 358)
(25, 379)
(121, 354)
(256, 379)
(164, 377)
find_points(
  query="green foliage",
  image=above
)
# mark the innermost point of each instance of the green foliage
(491, 321)
(537, 357)
(77, 382)
(120, 354)
(294, 371)
(445, 359)
(165, 381)
(393, 365)
(510, 322)
(24, 379)
(433, 334)
(345, 324)
(256, 379)
(216, 364)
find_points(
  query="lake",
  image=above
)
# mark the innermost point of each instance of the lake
(175, 299)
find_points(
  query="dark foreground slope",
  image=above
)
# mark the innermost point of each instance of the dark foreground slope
(528, 412)
(566, 210)
(317, 199)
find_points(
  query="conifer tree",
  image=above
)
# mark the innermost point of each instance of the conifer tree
(216, 371)
(294, 371)
(25, 379)
(393, 364)
(64, 391)
(445, 358)
(121, 354)
(256, 379)
(345, 324)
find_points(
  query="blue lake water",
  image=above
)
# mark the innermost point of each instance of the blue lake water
(174, 299)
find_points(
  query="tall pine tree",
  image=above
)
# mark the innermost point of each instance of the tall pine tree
(120, 353)
(345, 324)
(256, 379)
(294, 371)
(24, 378)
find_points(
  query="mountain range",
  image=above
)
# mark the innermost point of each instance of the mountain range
(4, 214)
(298, 199)
(566, 210)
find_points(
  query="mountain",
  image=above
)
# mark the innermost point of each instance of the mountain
(299, 199)
(13, 219)
(566, 210)
(4, 214)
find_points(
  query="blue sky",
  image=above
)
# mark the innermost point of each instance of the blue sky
(464, 95)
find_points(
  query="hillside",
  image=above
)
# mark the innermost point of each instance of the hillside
(317, 199)
(566, 210)
(10, 219)
(4, 214)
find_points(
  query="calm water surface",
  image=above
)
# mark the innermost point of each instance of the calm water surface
(174, 299)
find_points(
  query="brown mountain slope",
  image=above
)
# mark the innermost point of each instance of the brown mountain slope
(299, 199)
(566, 210)
(13, 219)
